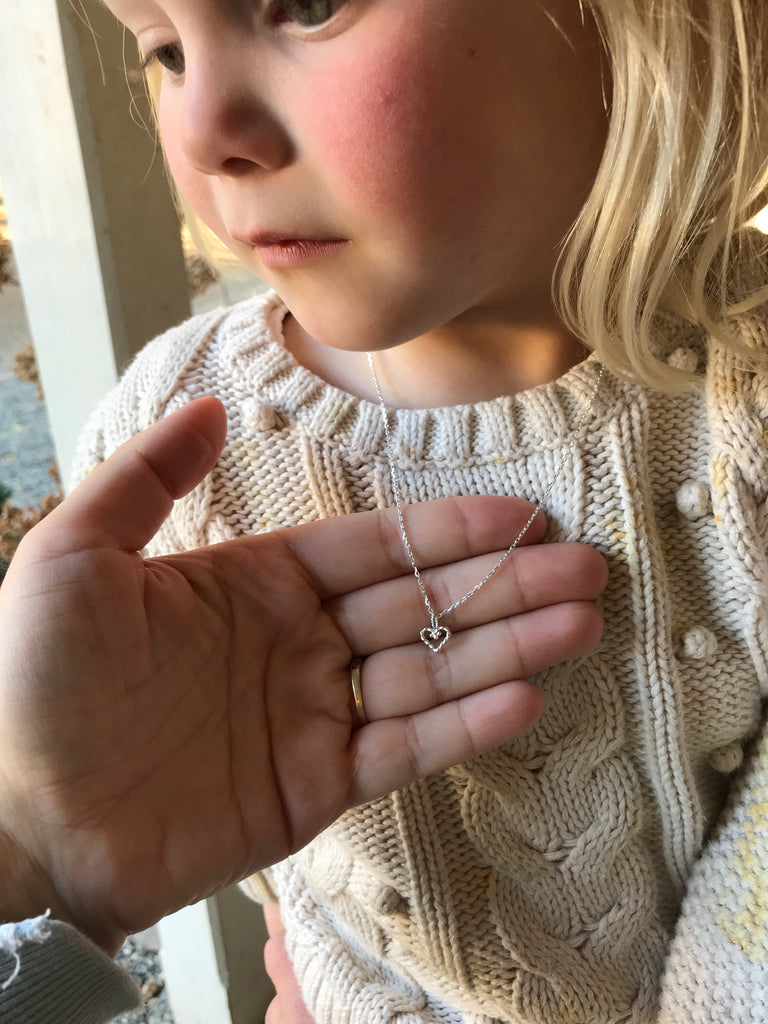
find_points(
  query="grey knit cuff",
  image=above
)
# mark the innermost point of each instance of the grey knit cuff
(49, 972)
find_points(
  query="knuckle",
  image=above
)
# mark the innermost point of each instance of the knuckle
(414, 755)
(591, 565)
(583, 625)
(437, 586)
(438, 677)
(391, 540)
(517, 659)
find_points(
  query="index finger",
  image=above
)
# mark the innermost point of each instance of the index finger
(356, 551)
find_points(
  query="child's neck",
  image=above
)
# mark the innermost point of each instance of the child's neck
(457, 364)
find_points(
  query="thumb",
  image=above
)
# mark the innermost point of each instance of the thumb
(124, 501)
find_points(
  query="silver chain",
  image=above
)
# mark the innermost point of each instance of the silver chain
(436, 636)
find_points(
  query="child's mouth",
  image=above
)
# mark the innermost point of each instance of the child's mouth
(277, 252)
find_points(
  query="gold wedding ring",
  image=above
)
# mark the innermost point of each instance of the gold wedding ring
(361, 718)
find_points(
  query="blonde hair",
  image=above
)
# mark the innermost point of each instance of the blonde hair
(685, 169)
(666, 226)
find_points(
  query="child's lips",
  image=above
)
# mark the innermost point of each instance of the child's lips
(277, 250)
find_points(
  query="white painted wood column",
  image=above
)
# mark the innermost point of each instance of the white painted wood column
(94, 230)
(212, 961)
(97, 245)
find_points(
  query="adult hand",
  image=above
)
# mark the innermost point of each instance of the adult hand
(169, 725)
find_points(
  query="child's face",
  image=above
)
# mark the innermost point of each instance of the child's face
(439, 149)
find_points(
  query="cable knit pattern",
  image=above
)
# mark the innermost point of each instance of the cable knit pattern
(542, 882)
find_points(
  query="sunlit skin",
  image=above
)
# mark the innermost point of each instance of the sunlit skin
(445, 149)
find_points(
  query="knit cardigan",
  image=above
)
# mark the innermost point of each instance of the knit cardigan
(610, 865)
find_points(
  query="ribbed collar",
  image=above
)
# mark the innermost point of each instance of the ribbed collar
(250, 341)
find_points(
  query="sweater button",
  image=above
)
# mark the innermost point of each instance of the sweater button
(699, 643)
(389, 901)
(258, 415)
(693, 499)
(727, 759)
(684, 359)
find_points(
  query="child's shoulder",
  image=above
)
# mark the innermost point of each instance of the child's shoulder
(209, 354)
(737, 409)
(737, 366)
(185, 355)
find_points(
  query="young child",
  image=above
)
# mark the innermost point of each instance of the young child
(409, 176)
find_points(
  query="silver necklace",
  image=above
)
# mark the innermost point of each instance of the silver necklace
(436, 635)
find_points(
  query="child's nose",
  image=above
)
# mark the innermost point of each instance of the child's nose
(227, 126)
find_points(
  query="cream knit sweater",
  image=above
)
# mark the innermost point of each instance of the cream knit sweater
(543, 882)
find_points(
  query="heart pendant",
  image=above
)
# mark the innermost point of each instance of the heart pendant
(435, 637)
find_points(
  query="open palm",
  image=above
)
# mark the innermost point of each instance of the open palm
(169, 725)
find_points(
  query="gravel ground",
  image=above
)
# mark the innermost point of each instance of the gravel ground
(144, 965)
(26, 446)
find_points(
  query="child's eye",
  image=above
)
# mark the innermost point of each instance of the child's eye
(309, 13)
(170, 56)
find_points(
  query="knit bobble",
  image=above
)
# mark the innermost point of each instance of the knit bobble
(693, 499)
(727, 759)
(389, 901)
(684, 359)
(259, 416)
(699, 643)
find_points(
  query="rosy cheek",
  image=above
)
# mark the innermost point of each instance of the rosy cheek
(370, 122)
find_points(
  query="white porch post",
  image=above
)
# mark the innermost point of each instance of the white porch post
(94, 231)
(212, 960)
(97, 245)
